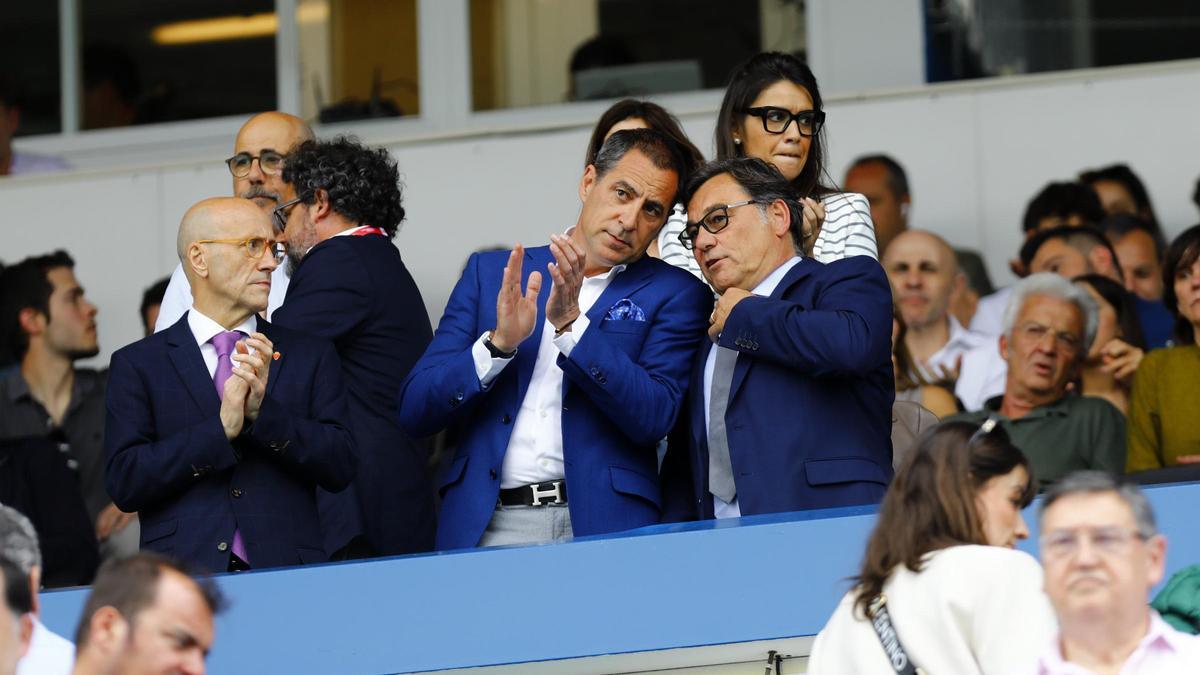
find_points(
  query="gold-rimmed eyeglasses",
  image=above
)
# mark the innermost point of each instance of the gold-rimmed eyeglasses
(253, 246)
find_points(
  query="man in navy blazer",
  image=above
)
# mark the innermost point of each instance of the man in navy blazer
(560, 397)
(349, 285)
(790, 409)
(225, 477)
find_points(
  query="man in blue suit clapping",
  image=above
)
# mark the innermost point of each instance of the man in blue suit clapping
(561, 395)
(790, 402)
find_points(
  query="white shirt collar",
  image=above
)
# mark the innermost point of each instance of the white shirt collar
(767, 286)
(204, 328)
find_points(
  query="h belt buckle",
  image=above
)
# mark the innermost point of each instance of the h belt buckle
(554, 490)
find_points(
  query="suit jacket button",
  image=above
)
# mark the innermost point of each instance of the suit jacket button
(236, 492)
(223, 546)
(492, 474)
(594, 372)
(505, 419)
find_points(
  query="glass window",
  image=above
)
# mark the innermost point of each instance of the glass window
(538, 52)
(358, 59)
(145, 62)
(29, 73)
(968, 38)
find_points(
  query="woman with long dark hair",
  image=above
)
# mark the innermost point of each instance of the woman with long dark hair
(1164, 427)
(772, 110)
(940, 566)
(1118, 348)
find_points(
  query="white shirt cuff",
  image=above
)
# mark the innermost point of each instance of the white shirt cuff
(567, 341)
(487, 368)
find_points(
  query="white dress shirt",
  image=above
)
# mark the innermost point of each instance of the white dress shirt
(984, 375)
(178, 297)
(204, 328)
(535, 448)
(49, 653)
(989, 313)
(960, 341)
(764, 288)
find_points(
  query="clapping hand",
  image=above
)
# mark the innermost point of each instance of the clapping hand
(566, 275)
(252, 358)
(515, 313)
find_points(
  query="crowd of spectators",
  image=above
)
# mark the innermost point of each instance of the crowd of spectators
(706, 340)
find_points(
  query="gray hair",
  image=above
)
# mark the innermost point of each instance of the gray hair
(1098, 482)
(1050, 284)
(18, 539)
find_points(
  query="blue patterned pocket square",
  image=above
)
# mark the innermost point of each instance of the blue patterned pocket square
(625, 310)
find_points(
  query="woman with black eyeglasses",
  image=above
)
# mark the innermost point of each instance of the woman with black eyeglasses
(941, 588)
(772, 111)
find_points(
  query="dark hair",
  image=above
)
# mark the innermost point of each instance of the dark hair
(749, 79)
(931, 505)
(897, 180)
(1182, 253)
(761, 181)
(656, 117)
(17, 595)
(1118, 225)
(130, 585)
(153, 296)
(1082, 239)
(1121, 301)
(1063, 200)
(26, 286)
(657, 147)
(907, 377)
(1091, 482)
(363, 184)
(1121, 173)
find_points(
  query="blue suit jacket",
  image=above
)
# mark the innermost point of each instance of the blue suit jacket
(809, 414)
(168, 458)
(623, 387)
(357, 293)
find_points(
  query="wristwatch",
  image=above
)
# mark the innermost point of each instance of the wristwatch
(494, 350)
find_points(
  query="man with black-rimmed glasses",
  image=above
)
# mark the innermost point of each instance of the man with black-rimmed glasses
(257, 170)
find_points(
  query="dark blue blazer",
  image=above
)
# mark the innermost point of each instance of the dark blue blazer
(168, 458)
(357, 293)
(623, 387)
(809, 414)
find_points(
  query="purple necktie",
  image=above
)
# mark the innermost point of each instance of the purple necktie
(224, 343)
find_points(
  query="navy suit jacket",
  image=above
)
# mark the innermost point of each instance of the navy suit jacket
(623, 387)
(357, 293)
(169, 460)
(809, 413)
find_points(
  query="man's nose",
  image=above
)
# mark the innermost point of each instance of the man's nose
(256, 174)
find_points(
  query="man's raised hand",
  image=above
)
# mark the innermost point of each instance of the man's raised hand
(515, 313)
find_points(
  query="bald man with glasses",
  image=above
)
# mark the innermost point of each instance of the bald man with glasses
(220, 428)
(257, 170)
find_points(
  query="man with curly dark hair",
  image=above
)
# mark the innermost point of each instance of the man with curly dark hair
(350, 285)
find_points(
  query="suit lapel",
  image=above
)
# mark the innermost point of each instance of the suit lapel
(274, 365)
(185, 356)
(536, 259)
(794, 276)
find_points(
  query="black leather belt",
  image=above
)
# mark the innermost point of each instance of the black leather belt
(538, 494)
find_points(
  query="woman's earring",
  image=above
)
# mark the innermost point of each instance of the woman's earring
(737, 141)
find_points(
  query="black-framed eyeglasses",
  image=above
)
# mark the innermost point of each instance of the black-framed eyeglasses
(252, 246)
(279, 216)
(714, 221)
(776, 120)
(269, 161)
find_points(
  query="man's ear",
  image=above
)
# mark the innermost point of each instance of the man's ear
(587, 182)
(35, 584)
(1101, 259)
(108, 630)
(779, 217)
(1004, 346)
(197, 260)
(321, 206)
(1156, 547)
(32, 321)
(26, 635)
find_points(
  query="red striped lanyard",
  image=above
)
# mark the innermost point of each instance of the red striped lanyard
(365, 230)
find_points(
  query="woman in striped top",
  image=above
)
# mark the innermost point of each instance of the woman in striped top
(772, 111)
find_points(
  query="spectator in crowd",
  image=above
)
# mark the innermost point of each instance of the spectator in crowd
(940, 571)
(146, 615)
(257, 169)
(1073, 251)
(350, 286)
(571, 388)
(1049, 327)
(910, 386)
(884, 183)
(1140, 254)
(151, 302)
(48, 325)
(13, 163)
(634, 114)
(1102, 554)
(1118, 349)
(926, 281)
(16, 620)
(772, 111)
(49, 653)
(37, 482)
(223, 462)
(1121, 191)
(795, 339)
(1163, 419)
(1057, 205)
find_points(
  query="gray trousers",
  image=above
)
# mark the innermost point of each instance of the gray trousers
(515, 525)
